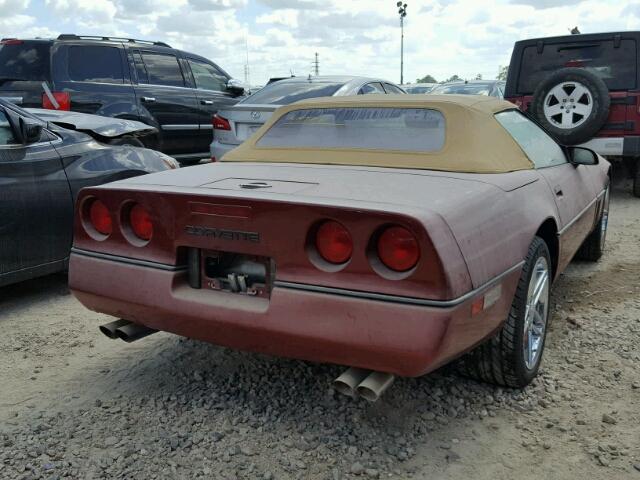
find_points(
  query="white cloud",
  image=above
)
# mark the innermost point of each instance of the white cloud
(442, 37)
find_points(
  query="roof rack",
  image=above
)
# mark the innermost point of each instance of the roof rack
(72, 36)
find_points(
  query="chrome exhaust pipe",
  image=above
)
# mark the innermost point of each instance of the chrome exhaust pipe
(109, 329)
(372, 387)
(349, 380)
(133, 331)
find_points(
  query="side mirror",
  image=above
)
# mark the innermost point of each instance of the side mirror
(236, 87)
(30, 130)
(582, 156)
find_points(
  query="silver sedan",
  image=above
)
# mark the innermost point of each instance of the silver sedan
(234, 125)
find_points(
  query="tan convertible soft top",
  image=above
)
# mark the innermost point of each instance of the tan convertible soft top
(474, 140)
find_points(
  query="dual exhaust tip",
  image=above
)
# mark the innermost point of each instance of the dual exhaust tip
(126, 330)
(357, 382)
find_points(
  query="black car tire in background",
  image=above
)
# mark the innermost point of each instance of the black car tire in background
(599, 112)
(636, 179)
(127, 140)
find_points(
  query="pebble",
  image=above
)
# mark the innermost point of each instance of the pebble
(606, 418)
(357, 468)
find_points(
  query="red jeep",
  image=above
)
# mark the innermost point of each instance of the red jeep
(584, 89)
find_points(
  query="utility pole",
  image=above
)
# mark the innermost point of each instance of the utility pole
(246, 65)
(402, 11)
(316, 65)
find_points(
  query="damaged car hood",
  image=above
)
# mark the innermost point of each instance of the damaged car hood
(108, 127)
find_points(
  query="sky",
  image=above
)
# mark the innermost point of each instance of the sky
(356, 37)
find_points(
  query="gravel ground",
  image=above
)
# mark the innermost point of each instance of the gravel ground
(74, 404)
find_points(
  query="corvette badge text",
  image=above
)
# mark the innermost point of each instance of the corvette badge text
(253, 237)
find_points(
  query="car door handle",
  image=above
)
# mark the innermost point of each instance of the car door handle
(149, 99)
(206, 102)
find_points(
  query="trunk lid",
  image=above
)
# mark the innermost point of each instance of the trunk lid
(244, 119)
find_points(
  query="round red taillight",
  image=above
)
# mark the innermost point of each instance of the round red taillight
(398, 249)
(140, 222)
(333, 242)
(100, 217)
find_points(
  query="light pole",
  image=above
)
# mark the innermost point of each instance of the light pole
(402, 11)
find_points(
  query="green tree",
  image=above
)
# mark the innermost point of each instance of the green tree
(479, 76)
(453, 78)
(502, 72)
(426, 79)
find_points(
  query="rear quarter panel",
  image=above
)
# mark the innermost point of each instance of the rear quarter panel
(494, 230)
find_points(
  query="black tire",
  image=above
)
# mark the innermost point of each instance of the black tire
(189, 162)
(501, 360)
(126, 140)
(636, 180)
(593, 246)
(592, 124)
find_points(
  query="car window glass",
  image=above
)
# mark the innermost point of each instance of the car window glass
(463, 89)
(208, 77)
(162, 69)
(391, 129)
(541, 149)
(392, 88)
(141, 71)
(6, 132)
(284, 93)
(24, 61)
(371, 88)
(98, 64)
(615, 65)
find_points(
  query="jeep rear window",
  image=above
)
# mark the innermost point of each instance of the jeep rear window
(24, 61)
(97, 64)
(616, 66)
(391, 129)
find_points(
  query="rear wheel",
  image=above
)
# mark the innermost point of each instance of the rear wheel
(593, 246)
(512, 357)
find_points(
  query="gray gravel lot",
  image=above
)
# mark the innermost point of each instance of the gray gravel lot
(74, 404)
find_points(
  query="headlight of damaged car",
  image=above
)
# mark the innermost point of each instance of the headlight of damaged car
(170, 162)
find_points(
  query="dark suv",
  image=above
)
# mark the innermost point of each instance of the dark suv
(176, 92)
(584, 89)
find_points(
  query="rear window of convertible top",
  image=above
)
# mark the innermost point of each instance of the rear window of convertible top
(371, 128)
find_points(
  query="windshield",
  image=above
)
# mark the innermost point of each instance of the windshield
(392, 129)
(24, 61)
(284, 93)
(463, 89)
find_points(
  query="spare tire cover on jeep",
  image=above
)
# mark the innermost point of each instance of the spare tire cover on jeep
(572, 104)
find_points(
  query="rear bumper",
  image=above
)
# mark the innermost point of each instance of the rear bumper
(219, 149)
(391, 335)
(615, 146)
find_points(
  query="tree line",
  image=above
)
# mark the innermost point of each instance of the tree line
(502, 75)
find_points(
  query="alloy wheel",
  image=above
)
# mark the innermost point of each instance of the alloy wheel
(536, 312)
(568, 105)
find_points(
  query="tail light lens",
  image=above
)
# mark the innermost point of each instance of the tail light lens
(140, 222)
(11, 41)
(100, 217)
(398, 249)
(220, 123)
(62, 98)
(333, 242)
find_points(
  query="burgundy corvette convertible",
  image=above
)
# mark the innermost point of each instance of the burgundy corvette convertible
(391, 234)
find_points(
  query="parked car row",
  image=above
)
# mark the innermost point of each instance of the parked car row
(234, 125)
(175, 92)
